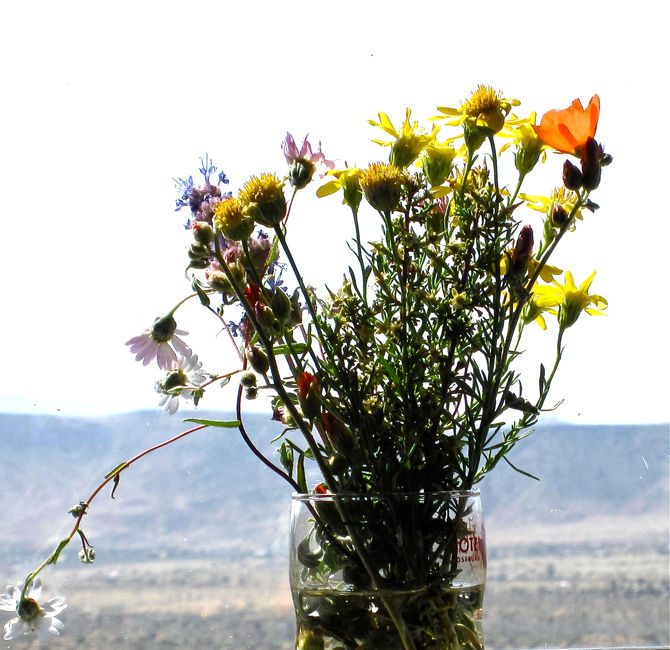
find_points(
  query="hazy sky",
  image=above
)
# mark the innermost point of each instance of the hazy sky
(104, 103)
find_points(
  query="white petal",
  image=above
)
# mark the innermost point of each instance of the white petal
(54, 606)
(13, 628)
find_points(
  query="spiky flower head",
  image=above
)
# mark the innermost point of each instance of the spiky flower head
(485, 109)
(263, 199)
(382, 186)
(231, 219)
(409, 142)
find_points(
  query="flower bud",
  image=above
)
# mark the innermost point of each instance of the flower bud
(199, 252)
(251, 393)
(265, 316)
(591, 164)
(238, 272)
(606, 159)
(559, 216)
(248, 379)
(258, 360)
(219, 282)
(572, 177)
(437, 161)
(522, 251)
(203, 233)
(281, 305)
(308, 395)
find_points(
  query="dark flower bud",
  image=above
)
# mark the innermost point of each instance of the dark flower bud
(606, 159)
(281, 305)
(258, 360)
(559, 215)
(572, 177)
(591, 164)
(251, 393)
(522, 251)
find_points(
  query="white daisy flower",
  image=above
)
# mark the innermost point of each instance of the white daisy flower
(32, 617)
(161, 343)
(181, 381)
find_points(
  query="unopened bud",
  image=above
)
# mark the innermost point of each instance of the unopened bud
(522, 251)
(572, 177)
(281, 305)
(258, 360)
(203, 233)
(248, 380)
(219, 282)
(591, 164)
(238, 272)
(606, 159)
(251, 393)
(559, 215)
(199, 252)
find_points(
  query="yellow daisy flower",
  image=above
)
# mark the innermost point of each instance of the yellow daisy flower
(567, 199)
(382, 186)
(347, 180)
(529, 147)
(484, 108)
(408, 143)
(570, 299)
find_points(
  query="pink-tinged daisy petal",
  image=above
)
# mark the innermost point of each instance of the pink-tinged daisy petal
(290, 149)
(180, 346)
(166, 357)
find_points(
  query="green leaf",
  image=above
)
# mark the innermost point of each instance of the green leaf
(54, 556)
(116, 470)
(197, 287)
(300, 478)
(230, 424)
(298, 348)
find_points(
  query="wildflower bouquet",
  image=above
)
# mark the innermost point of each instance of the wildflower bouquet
(404, 380)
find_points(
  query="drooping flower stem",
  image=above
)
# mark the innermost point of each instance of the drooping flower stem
(113, 476)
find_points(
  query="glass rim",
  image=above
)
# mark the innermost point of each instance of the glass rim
(327, 496)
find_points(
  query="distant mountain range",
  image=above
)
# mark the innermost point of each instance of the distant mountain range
(208, 494)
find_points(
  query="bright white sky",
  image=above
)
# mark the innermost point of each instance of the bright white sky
(104, 103)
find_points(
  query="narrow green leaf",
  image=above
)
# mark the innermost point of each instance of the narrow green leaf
(298, 348)
(55, 555)
(197, 287)
(516, 469)
(300, 476)
(230, 424)
(115, 470)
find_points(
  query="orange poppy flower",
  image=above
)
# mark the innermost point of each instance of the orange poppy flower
(568, 130)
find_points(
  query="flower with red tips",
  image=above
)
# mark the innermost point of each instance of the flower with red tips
(568, 130)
